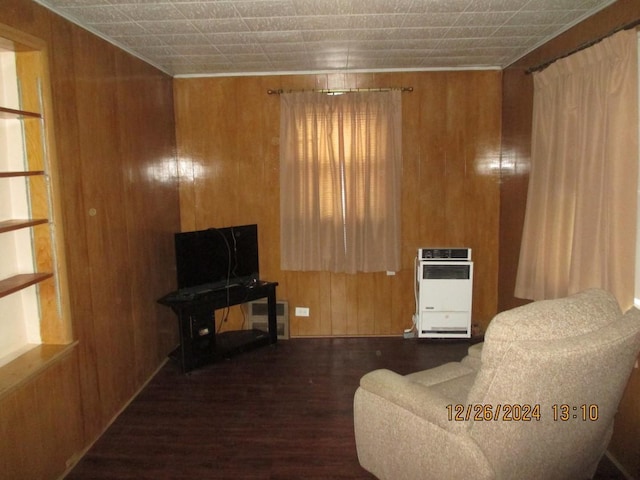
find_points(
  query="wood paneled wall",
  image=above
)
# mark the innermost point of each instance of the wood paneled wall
(228, 133)
(516, 145)
(115, 146)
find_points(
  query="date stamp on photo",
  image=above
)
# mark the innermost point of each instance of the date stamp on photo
(520, 412)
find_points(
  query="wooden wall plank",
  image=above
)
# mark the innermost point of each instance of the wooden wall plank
(451, 122)
(40, 428)
(115, 152)
(103, 189)
(150, 250)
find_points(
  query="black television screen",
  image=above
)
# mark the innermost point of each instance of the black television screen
(217, 257)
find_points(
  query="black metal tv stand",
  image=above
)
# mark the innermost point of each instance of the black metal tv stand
(199, 343)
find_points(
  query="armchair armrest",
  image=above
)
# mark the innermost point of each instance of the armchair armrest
(418, 399)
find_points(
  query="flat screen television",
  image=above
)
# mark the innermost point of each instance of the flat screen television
(217, 257)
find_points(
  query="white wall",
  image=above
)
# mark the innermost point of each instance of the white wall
(19, 313)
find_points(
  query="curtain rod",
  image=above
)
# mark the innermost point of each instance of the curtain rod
(330, 91)
(588, 44)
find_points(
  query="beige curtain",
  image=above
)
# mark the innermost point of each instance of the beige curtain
(340, 174)
(580, 219)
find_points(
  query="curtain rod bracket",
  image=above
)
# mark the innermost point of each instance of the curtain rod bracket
(580, 47)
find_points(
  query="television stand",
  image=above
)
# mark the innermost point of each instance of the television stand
(199, 343)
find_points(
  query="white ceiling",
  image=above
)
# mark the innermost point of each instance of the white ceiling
(237, 37)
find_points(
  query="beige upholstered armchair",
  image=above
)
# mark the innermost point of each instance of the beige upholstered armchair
(536, 400)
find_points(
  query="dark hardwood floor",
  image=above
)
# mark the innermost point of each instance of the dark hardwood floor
(275, 413)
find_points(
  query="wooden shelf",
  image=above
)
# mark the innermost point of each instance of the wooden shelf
(10, 113)
(18, 282)
(21, 174)
(17, 224)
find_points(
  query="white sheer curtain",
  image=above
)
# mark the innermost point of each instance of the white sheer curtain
(580, 219)
(340, 178)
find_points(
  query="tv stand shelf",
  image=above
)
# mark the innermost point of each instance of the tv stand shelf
(199, 343)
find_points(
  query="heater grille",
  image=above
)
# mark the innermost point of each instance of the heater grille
(257, 316)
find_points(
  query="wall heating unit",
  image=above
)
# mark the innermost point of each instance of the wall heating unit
(444, 289)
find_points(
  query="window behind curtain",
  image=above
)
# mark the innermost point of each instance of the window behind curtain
(340, 174)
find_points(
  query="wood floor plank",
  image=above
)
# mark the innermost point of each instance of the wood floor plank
(281, 412)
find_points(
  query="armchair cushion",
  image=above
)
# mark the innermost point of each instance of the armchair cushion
(455, 386)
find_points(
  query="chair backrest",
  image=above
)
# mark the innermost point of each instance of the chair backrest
(556, 370)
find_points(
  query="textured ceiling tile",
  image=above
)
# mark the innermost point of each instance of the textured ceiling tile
(315, 7)
(79, 3)
(231, 36)
(382, 45)
(380, 6)
(156, 51)
(203, 68)
(290, 57)
(345, 7)
(540, 31)
(202, 59)
(224, 25)
(317, 47)
(252, 58)
(376, 21)
(498, 5)
(250, 67)
(421, 33)
(169, 27)
(439, 6)
(186, 50)
(91, 15)
(592, 4)
(268, 37)
(554, 17)
(178, 60)
(545, 5)
(183, 39)
(431, 20)
(240, 48)
(344, 36)
(470, 32)
(155, 11)
(265, 24)
(325, 22)
(140, 41)
(284, 47)
(207, 10)
(118, 29)
(489, 19)
(277, 8)
(124, 2)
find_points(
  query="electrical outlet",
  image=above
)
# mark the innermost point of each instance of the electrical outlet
(302, 311)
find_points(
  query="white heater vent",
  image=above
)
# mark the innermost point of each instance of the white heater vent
(444, 293)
